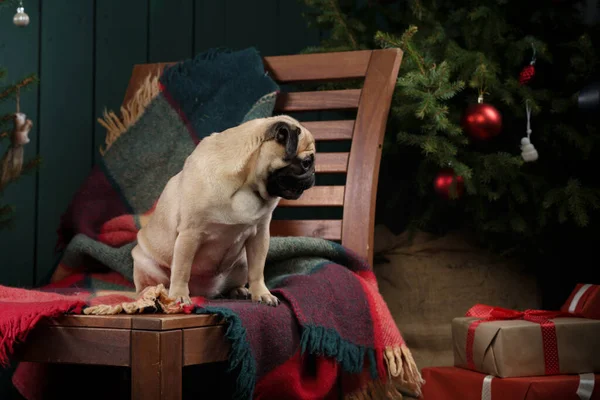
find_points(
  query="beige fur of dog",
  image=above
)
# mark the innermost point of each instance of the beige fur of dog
(209, 233)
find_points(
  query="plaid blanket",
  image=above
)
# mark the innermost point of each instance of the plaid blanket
(331, 337)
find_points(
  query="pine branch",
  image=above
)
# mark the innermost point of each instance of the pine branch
(335, 6)
(6, 121)
(584, 142)
(8, 4)
(31, 166)
(19, 85)
(573, 199)
(481, 12)
(518, 223)
(518, 192)
(386, 40)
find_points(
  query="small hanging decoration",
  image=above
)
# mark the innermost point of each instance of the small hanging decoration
(12, 162)
(21, 18)
(528, 151)
(528, 72)
(481, 121)
(444, 180)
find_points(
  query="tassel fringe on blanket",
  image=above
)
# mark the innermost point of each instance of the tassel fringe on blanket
(153, 299)
(116, 125)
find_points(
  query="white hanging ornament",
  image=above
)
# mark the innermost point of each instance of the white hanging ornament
(528, 151)
(21, 18)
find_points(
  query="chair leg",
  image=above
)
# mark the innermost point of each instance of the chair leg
(156, 365)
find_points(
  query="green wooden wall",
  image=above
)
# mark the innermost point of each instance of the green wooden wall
(83, 52)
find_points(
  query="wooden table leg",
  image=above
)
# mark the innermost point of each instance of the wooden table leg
(156, 365)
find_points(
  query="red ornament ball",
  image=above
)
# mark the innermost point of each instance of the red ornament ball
(526, 74)
(444, 180)
(481, 121)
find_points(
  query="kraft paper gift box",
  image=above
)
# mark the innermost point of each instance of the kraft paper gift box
(584, 301)
(452, 383)
(507, 343)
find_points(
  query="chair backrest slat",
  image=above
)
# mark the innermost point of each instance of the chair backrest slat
(379, 69)
(331, 162)
(326, 229)
(318, 67)
(331, 130)
(318, 101)
(318, 196)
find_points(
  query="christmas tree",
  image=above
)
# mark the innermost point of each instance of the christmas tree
(513, 57)
(14, 130)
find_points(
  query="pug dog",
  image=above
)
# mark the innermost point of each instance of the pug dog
(209, 232)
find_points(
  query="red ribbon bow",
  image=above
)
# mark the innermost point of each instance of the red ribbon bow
(542, 317)
(490, 313)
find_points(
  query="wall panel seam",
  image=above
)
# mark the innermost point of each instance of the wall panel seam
(34, 271)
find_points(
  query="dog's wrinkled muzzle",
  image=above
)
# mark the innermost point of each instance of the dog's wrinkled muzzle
(289, 186)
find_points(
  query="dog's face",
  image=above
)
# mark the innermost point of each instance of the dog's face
(290, 153)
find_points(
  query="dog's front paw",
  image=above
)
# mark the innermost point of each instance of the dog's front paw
(181, 296)
(261, 294)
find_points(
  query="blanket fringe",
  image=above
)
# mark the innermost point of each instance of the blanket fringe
(404, 379)
(403, 370)
(240, 355)
(320, 340)
(153, 298)
(117, 125)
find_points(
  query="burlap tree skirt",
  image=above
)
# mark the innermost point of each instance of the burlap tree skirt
(433, 279)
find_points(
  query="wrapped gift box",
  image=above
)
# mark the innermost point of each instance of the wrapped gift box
(452, 383)
(584, 301)
(507, 343)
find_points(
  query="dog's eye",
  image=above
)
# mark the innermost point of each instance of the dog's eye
(282, 134)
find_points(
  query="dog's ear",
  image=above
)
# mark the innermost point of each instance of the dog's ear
(286, 135)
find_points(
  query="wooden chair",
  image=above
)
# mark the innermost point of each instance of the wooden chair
(157, 347)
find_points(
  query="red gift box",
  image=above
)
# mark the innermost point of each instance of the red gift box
(452, 383)
(584, 301)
